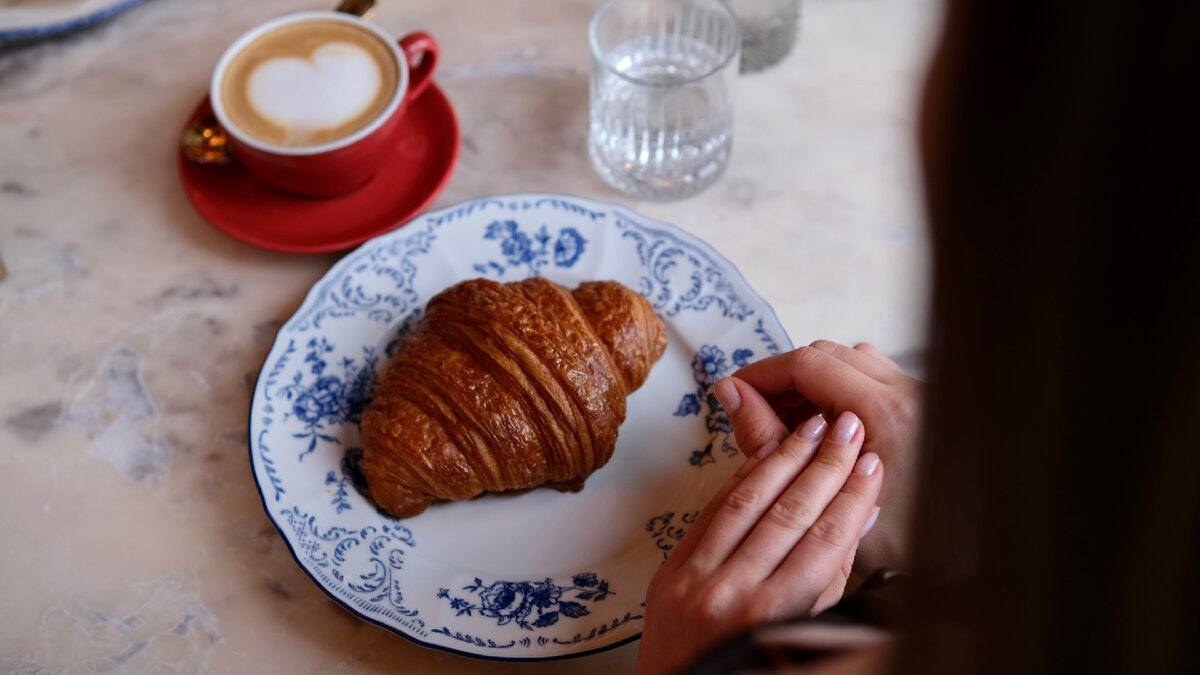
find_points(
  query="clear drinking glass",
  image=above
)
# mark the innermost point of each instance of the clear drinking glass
(663, 74)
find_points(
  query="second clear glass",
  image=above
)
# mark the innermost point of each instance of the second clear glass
(768, 30)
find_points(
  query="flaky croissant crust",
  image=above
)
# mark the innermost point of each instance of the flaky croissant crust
(506, 387)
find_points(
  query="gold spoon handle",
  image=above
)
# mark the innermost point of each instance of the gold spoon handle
(356, 7)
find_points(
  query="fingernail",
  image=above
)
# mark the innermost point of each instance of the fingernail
(870, 522)
(727, 395)
(767, 448)
(812, 429)
(846, 426)
(867, 464)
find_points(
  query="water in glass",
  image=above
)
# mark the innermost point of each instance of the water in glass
(660, 129)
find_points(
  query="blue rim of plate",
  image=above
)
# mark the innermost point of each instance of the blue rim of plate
(76, 23)
(300, 530)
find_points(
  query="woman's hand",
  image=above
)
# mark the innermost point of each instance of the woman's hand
(826, 376)
(777, 540)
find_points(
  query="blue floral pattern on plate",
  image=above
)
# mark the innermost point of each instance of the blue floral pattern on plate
(499, 576)
(666, 530)
(530, 604)
(531, 252)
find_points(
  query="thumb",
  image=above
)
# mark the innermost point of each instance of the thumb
(754, 421)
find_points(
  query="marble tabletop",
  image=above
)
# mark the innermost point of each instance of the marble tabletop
(132, 536)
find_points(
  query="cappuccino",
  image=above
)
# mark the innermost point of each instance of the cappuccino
(309, 83)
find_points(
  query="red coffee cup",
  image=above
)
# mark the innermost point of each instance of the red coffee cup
(341, 165)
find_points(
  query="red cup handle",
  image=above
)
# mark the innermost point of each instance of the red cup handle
(419, 45)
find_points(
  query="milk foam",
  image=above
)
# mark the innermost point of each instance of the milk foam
(336, 83)
(308, 83)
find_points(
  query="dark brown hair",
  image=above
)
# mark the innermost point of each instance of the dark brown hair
(1058, 524)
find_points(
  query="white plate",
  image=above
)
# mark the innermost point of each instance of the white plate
(32, 19)
(541, 575)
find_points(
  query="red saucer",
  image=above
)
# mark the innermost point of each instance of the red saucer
(241, 205)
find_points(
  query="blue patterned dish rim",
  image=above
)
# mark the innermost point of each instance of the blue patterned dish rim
(32, 23)
(542, 575)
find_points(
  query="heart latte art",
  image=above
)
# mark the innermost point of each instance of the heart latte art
(309, 83)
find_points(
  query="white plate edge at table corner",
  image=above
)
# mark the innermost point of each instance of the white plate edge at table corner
(59, 16)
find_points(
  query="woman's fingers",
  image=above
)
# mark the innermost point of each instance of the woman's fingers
(801, 504)
(819, 557)
(865, 357)
(699, 527)
(757, 430)
(823, 379)
(756, 497)
(756, 418)
(868, 348)
(755, 422)
(760, 414)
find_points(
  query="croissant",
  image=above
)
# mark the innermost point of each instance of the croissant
(506, 386)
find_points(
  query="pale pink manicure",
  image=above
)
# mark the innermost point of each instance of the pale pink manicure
(812, 429)
(846, 426)
(728, 395)
(870, 522)
(867, 464)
